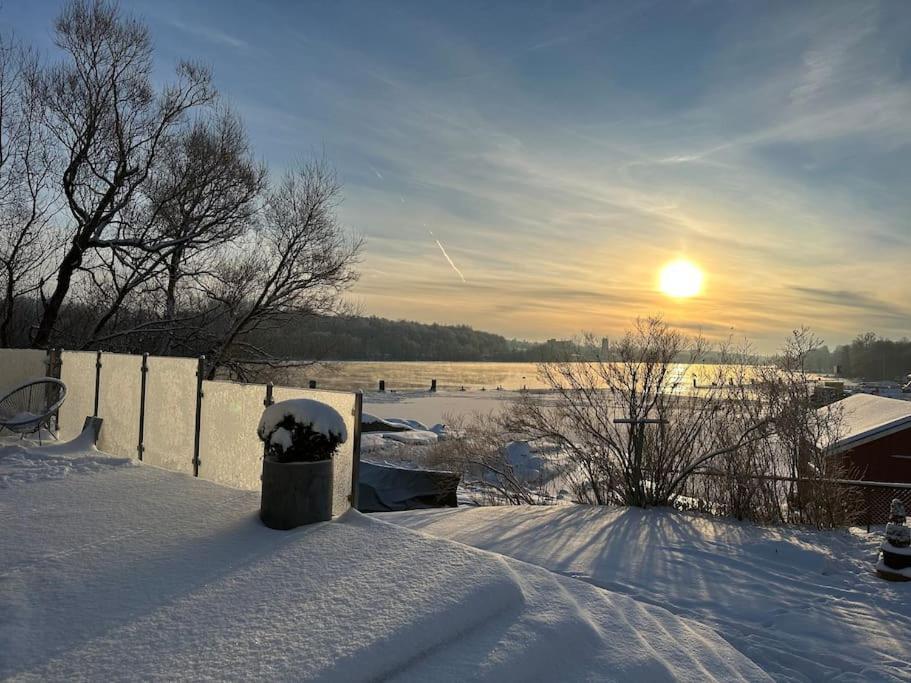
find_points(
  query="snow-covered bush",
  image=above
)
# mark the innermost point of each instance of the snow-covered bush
(897, 511)
(896, 532)
(301, 430)
(898, 535)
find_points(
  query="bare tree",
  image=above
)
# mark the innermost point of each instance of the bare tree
(631, 423)
(804, 439)
(298, 260)
(208, 191)
(27, 197)
(109, 125)
(201, 195)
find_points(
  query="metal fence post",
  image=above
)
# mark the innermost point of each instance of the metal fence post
(268, 401)
(144, 370)
(56, 363)
(200, 373)
(97, 382)
(356, 463)
(869, 511)
(56, 371)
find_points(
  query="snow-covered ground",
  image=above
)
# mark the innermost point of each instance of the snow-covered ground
(803, 605)
(111, 569)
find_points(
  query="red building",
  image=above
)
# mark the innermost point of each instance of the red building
(875, 437)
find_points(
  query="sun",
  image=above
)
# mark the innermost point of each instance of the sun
(680, 279)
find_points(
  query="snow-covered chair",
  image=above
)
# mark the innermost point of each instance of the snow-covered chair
(31, 406)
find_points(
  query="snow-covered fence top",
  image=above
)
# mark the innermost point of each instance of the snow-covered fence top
(157, 409)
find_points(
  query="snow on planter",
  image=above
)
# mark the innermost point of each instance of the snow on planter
(301, 430)
(895, 559)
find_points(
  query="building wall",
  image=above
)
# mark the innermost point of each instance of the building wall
(874, 460)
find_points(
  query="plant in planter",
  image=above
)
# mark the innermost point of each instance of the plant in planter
(895, 562)
(301, 436)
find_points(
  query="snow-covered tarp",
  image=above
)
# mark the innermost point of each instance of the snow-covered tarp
(133, 572)
(804, 605)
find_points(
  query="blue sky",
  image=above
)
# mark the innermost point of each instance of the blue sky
(563, 152)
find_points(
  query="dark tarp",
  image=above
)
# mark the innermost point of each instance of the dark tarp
(383, 488)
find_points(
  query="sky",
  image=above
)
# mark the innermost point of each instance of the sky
(527, 168)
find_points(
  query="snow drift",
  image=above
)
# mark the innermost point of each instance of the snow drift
(143, 573)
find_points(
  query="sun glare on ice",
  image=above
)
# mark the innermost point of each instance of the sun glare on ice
(680, 279)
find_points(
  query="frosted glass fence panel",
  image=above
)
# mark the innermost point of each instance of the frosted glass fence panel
(230, 452)
(345, 404)
(18, 366)
(170, 420)
(78, 373)
(118, 404)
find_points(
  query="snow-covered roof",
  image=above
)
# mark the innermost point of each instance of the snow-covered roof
(866, 417)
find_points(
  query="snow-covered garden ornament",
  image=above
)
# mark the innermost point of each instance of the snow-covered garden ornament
(301, 436)
(895, 560)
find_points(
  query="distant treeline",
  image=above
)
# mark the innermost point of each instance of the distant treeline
(868, 357)
(378, 339)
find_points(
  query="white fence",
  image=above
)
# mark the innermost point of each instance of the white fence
(17, 366)
(160, 411)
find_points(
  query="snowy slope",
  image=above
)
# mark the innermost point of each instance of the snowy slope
(135, 572)
(803, 605)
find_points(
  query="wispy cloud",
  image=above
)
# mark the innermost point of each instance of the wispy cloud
(210, 33)
(448, 259)
(568, 155)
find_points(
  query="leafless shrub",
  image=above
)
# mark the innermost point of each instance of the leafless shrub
(748, 441)
(490, 463)
(628, 422)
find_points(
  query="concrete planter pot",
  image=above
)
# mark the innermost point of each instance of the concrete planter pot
(296, 493)
(894, 563)
(896, 558)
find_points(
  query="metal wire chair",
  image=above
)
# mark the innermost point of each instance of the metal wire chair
(31, 406)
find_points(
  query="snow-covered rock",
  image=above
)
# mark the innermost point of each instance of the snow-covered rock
(526, 463)
(413, 437)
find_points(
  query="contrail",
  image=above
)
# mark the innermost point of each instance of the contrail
(443, 249)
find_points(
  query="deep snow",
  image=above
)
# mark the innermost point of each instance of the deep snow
(804, 605)
(110, 569)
